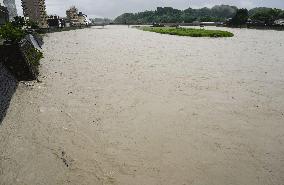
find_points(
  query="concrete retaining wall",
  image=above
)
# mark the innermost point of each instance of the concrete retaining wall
(19, 59)
(8, 85)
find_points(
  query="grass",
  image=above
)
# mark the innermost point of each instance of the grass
(33, 57)
(189, 32)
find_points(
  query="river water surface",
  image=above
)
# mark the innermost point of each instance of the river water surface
(127, 107)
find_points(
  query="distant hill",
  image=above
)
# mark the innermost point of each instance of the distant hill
(171, 15)
(258, 10)
(101, 21)
(214, 14)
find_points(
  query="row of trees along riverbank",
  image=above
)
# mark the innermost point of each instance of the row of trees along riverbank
(218, 13)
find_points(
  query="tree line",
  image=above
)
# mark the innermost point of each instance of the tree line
(218, 13)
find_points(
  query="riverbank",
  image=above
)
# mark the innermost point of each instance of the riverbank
(212, 25)
(8, 85)
(55, 29)
(127, 107)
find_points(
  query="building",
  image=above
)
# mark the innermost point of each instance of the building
(72, 16)
(252, 22)
(35, 11)
(83, 19)
(75, 18)
(4, 15)
(55, 21)
(279, 22)
(72, 13)
(11, 7)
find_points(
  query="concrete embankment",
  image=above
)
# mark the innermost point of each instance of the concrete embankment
(8, 85)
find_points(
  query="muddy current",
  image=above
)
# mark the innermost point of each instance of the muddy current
(122, 106)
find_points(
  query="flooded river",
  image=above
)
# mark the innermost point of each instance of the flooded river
(126, 107)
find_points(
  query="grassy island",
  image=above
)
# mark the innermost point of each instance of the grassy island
(188, 32)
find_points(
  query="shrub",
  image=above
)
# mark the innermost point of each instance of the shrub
(32, 24)
(11, 33)
(34, 56)
(19, 22)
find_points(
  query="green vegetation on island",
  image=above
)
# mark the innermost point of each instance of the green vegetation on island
(188, 32)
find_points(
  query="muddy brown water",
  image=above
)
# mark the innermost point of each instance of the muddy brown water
(127, 107)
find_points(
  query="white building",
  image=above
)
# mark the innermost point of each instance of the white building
(83, 19)
(279, 22)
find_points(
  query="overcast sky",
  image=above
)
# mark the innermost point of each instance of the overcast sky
(113, 8)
